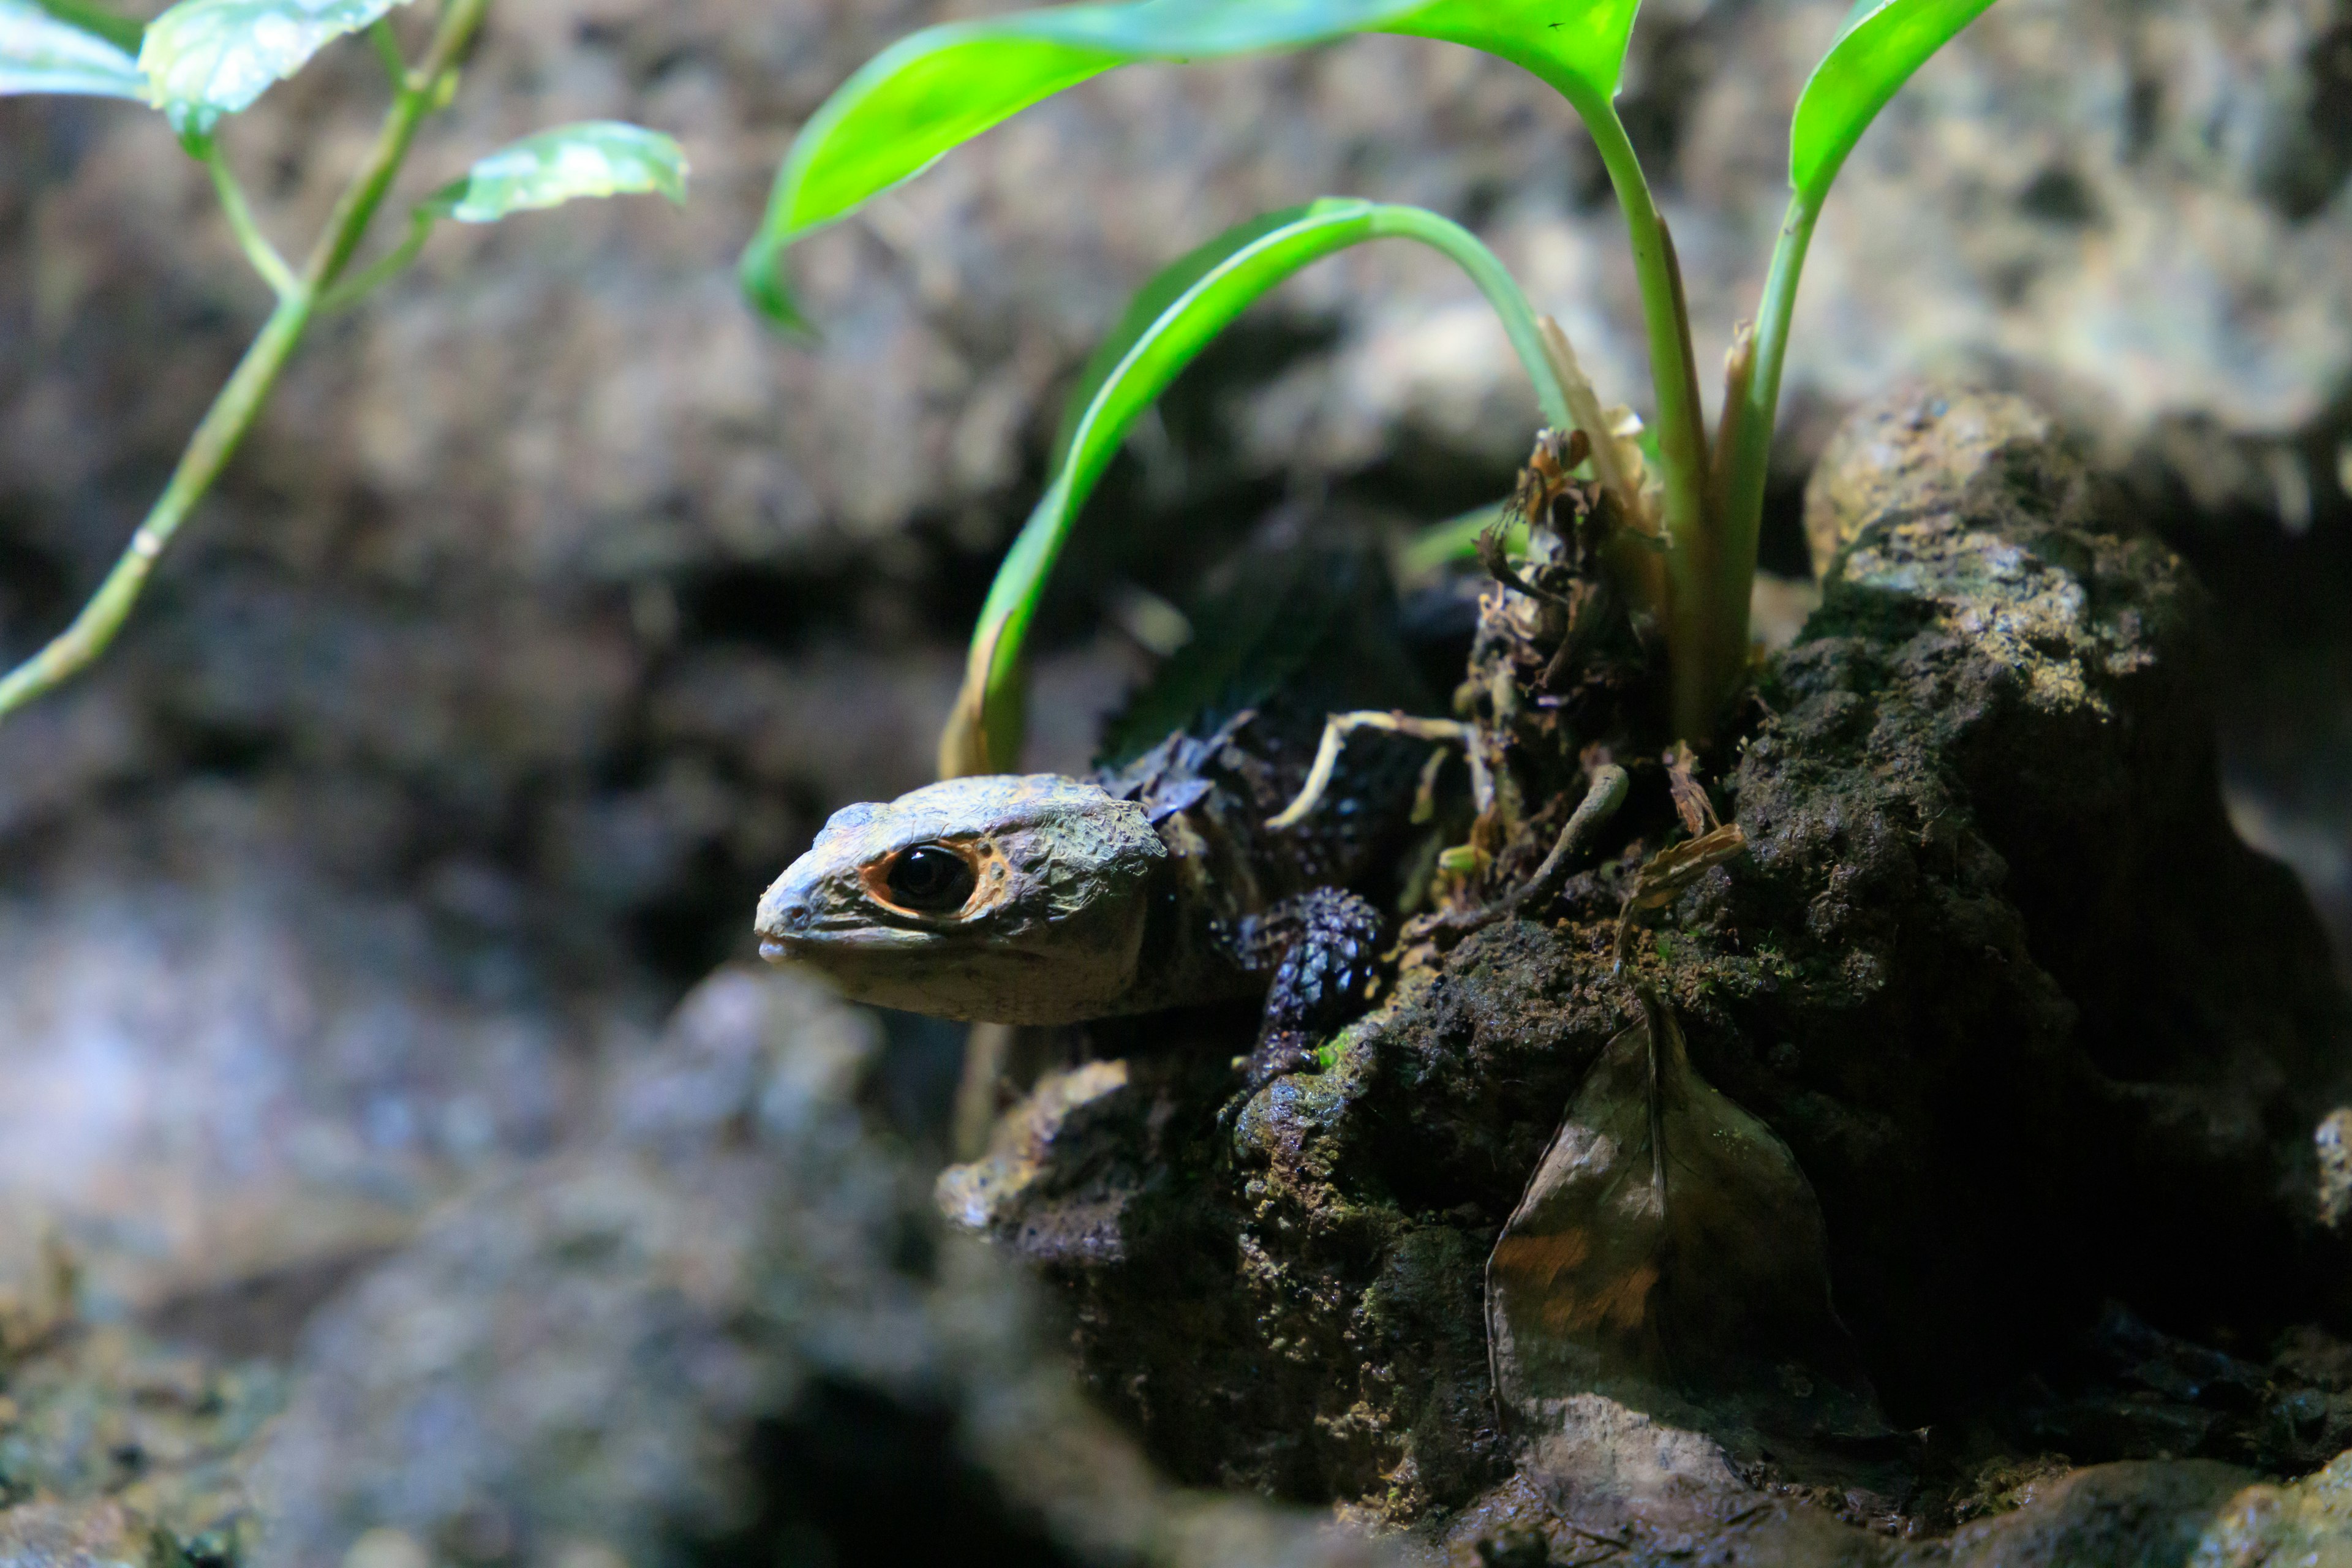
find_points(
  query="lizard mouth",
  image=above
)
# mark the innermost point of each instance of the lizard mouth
(846, 938)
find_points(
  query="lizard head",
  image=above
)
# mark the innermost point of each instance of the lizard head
(1002, 899)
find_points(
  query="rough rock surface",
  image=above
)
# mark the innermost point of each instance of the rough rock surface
(2037, 1028)
(116, 1449)
(728, 1330)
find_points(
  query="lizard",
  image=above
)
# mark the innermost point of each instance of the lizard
(1156, 881)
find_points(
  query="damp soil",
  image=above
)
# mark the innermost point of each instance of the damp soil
(2055, 1051)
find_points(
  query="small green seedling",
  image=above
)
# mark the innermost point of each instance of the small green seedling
(204, 60)
(1692, 504)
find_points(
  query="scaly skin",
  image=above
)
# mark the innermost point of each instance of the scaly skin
(1064, 880)
(1156, 883)
(1069, 901)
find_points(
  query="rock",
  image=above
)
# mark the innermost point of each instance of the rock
(66, 1535)
(114, 1449)
(230, 1077)
(2037, 1028)
(728, 1328)
(2308, 1522)
(2127, 1514)
(1918, 451)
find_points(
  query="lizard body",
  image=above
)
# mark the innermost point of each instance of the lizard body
(1043, 898)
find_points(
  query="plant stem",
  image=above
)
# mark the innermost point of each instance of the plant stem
(352, 289)
(240, 402)
(256, 244)
(387, 49)
(1695, 552)
(1682, 439)
(1749, 430)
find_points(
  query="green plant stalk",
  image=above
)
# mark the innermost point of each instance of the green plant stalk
(1749, 436)
(240, 399)
(1695, 547)
(256, 247)
(350, 290)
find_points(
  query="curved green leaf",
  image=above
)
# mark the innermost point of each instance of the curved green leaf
(1579, 48)
(593, 158)
(204, 58)
(941, 86)
(1143, 313)
(1884, 41)
(1174, 318)
(39, 53)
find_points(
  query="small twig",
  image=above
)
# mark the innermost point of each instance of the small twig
(1335, 730)
(1600, 802)
(1623, 1541)
(1672, 870)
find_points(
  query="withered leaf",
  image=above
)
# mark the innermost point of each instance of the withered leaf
(1665, 874)
(1677, 866)
(1697, 812)
(1669, 1253)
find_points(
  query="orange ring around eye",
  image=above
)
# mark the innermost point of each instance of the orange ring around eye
(980, 856)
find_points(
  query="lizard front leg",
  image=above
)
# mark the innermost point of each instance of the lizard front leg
(1323, 946)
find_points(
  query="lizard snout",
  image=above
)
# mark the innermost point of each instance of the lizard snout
(786, 914)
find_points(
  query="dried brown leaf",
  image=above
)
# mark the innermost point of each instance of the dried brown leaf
(1669, 1250)
(1691, 804)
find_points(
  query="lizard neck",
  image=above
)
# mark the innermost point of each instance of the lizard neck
(1200, 896)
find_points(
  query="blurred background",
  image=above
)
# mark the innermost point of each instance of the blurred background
(554, 603)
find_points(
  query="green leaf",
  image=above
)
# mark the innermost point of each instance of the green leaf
(1150, 302)
(39, 53)
(1884, 41)
(204, 58)
(1441, 545)
(1578, 46)
(941, 86)
(1174, 316)
(593, 158)
(122, 32)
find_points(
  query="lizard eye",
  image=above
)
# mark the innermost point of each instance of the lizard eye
(930, 878)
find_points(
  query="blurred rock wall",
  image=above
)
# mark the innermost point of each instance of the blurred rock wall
(554, 603)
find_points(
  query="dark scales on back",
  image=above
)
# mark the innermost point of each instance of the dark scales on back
(1155, 883)
(1284, 638)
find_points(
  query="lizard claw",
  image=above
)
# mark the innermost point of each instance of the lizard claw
(1278, 1056)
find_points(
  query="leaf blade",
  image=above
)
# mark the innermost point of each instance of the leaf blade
(590, 159)
(42, 53)
(1882, 44)
(1579, 49)
(941, 86)
(205, 59)
(1221, 279)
